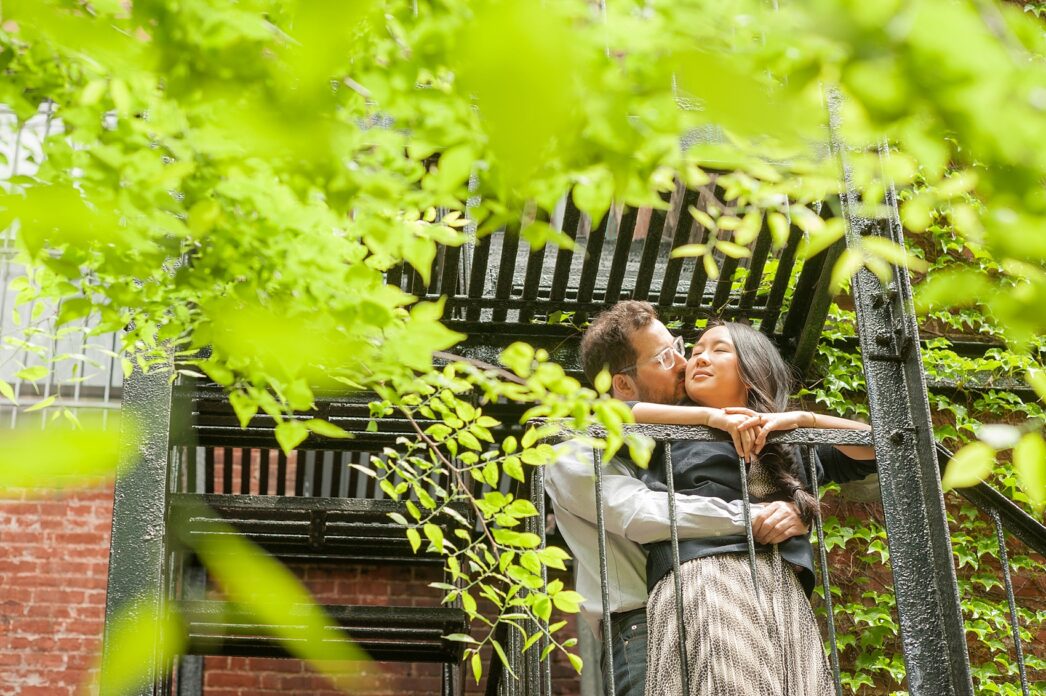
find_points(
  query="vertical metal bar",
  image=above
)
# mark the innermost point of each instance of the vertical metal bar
(822, 558)
(226, 470)
(696, 292)
(1015, 621)
(537, 497)
(622, 250)
(208, 470)
(331, 459)
(684, 664)
(755, 268)
(299, 473)
(604, 582)
(506, 269)
(746, 506)
(138, 547)
(478, 275)
(782, 276)
(590, 266)
(932, 632)
(281, 472)
(670, 282)
(573, 223)
(659, 221)
(245, 471)
(264, 457)
(725, 284)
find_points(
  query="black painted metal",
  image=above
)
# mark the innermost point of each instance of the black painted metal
(746, 503)
(387, 633)
(1016, 521)
(822, 559)
(136, 582)
(928, 606)
(681, 224)
(684, 664)
(305, 527)
(1015, 622)
(604, 583)
(775, 300)
(760, 252)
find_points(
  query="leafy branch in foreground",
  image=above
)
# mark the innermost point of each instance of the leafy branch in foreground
(450, 478)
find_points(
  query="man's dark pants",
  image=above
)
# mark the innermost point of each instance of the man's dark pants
(628, 639)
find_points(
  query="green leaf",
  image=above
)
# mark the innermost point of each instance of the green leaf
(689, 251)
(477, 666)
(779, 229)
(890, 251)
(9, 393)
(822, 236)
(850, 261)
(414, 538)
(733, 250)
(290, 434)
(1037, 380)
(503, 657)
(273, 596)
(327, 429)
(603, 381)
(435, 535)
(567, 601)
(576, 662)
(1029, 463)
(513, 468)
(42, 404)
(31, 374)
(244, 406)
(136, 631)
(969, 466)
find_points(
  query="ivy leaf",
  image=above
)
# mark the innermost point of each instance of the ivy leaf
(1029, 463)
(969, 466)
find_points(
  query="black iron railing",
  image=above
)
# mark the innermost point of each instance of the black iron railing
(1007, 518)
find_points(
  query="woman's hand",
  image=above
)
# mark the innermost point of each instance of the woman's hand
(770, 422)
(742, 424)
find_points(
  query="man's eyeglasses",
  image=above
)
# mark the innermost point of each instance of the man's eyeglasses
(664, 357)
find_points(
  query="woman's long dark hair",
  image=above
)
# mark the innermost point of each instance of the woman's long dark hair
(769, 382)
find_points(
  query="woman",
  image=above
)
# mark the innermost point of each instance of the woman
(740, 641)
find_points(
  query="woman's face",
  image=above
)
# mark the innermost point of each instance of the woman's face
(712, 374)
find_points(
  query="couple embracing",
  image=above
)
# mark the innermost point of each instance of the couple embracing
(738, 641)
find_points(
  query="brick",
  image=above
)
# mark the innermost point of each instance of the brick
(231, 679)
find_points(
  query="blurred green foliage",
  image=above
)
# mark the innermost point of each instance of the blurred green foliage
(239, 176)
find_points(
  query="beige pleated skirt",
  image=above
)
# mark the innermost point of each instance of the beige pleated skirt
(736, 645)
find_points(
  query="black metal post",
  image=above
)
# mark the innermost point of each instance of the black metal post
(932, 632)
(138, 547)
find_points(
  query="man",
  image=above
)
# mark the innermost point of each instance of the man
(647, 364)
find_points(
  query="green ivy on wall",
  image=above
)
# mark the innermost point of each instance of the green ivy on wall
(980, 393)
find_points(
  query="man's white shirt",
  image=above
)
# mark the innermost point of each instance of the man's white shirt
(633, 515)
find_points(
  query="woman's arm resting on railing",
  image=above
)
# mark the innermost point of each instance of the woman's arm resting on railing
(790, 420)
(742, 427)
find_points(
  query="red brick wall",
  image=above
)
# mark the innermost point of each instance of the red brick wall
(53, 565)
